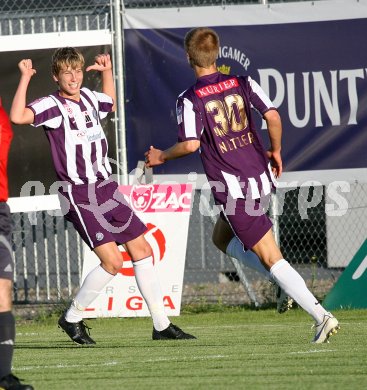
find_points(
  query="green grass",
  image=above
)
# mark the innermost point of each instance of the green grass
(235, 349)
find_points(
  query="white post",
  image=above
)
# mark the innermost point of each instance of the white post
(274, 216)
(120, 130)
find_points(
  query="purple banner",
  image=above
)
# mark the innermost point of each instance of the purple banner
(315, 73)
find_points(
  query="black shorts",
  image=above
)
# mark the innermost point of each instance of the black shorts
(6, 252)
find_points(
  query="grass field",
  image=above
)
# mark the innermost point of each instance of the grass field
(235, 349)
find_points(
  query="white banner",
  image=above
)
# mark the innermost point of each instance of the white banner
(243, 14)
(165, 209)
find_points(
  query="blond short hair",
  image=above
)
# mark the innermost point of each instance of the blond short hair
(202, 46)
(66, 56)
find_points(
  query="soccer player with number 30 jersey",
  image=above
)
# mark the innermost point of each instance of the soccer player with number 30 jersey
(216, 115)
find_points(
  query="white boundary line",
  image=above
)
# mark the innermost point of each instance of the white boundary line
(353, 176)
(192, 358)
(325, 177)
(313, 351)
(54, 40)
(243, 15)
(63, 365)
(34, 203)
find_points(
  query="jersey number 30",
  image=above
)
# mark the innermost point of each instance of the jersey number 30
(228, 114)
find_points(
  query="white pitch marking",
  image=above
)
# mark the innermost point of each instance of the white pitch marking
(115, 363)
(64, 366)
(249, 326)
(186, 359)
(314, 351)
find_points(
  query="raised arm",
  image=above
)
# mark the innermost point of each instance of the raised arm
(154, 157)
(104, 65)
(19, 113)
(274, 125)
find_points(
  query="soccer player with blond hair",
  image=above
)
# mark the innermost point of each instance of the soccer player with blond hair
(89, 197)
(215, 115)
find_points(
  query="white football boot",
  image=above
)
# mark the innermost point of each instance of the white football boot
(328, 327)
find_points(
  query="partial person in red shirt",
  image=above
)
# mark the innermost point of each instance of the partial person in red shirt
(7, 321)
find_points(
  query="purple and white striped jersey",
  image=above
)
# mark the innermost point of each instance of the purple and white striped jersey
(78, 143)
(217, 110)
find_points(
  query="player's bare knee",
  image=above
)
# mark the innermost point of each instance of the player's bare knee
(139, 249)
(141, 253)
(112, 265)
(268, 262)
(5, 295)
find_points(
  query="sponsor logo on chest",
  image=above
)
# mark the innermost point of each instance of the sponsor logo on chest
(94, 137)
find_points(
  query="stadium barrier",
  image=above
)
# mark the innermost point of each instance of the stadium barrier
(319, 229)
(319, 224)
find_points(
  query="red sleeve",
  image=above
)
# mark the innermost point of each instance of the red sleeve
(6, 135)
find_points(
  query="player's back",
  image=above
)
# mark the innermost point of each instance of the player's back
(230, 146)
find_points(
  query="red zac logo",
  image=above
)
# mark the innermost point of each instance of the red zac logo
(141, 196)
(161, 198)
(157, 241)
